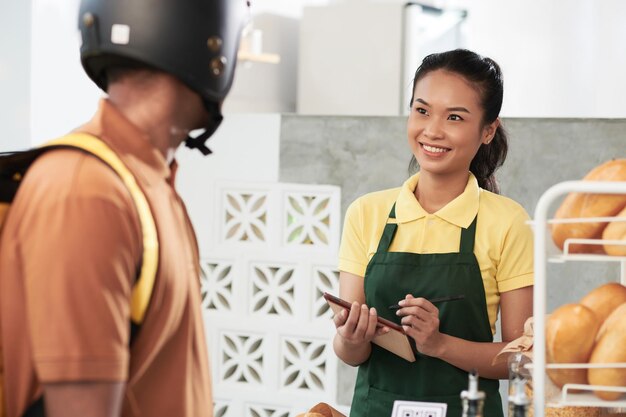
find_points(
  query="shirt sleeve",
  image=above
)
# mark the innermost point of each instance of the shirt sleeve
(515, 269)
(79, 249)
(352, 251)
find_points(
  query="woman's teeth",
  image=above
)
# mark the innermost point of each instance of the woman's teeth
(436, 150)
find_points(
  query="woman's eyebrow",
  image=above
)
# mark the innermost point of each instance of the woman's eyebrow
(457, 109)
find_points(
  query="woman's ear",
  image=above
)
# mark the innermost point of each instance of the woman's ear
(489, 131)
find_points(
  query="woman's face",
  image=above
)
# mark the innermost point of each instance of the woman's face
(445, 127)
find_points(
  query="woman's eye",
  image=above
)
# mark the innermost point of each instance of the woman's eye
(421, 110)
(455, 117)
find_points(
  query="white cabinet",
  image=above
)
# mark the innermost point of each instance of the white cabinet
(542, 256)
(358, 57)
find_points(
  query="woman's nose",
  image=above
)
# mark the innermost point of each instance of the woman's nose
(433, 128)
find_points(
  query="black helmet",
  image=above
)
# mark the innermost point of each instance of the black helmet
(194, 40)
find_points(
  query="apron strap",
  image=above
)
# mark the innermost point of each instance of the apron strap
(389, 232)
(467, 238)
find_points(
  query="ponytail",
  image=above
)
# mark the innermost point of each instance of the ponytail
(488, 159)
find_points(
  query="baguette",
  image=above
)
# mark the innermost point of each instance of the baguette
(322, 410)
(616, 231)
(611, 348)
(581, 205)
(604, 299)
(615, 322)
(570, 334)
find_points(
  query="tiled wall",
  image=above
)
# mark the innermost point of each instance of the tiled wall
(268, 327)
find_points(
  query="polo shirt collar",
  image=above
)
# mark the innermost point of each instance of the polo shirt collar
(129, 142)
(460, 211)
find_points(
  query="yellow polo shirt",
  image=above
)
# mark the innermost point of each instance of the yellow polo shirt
(503, 243)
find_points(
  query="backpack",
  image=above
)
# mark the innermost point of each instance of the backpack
(13, 166)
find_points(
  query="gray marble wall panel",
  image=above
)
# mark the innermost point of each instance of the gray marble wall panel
(363, 154)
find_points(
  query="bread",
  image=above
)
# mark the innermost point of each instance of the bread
(616, 320)
(604, 299)
(570, 335)
(616, 231)
(611, 348)
(322, 410)
(580, 205)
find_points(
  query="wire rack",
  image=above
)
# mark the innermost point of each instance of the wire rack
(583, 394)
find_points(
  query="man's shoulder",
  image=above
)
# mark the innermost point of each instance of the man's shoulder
(72, 173)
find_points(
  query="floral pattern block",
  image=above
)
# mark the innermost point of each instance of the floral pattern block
(324, 280)
(242, 358)
(216, 285)
(272, 290)
(264, 411)
(307, 219)
(245, 217)
(220, 410)
(304, 364)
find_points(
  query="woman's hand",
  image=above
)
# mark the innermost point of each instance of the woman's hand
(420, 320)
(358, 325)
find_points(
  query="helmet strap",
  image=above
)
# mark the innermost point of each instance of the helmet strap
(199, 142)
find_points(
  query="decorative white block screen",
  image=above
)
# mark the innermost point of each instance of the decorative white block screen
(272, 255)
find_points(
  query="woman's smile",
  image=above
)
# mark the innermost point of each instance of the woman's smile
(434, 150)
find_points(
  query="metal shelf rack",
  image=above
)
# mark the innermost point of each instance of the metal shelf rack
(585, 396)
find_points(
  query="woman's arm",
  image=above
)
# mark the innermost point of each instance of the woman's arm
(356, 329)
(421, 322)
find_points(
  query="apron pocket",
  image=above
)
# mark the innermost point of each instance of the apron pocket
(380, 403)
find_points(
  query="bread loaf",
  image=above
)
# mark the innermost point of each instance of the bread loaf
(616, 231)
(611, 348)
(580, 205)
(604, 299)
(570, 336)
(322, 410)
(615, 321)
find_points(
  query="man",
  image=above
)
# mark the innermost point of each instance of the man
(72, 245)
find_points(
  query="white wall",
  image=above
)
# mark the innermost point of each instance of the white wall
(62, 96)
(14, 77)
(245, 148)
(290, 8)
(560, 58)
(558, 61)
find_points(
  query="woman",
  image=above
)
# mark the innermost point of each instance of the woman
(445, 232)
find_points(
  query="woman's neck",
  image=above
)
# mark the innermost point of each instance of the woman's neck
(433, 192)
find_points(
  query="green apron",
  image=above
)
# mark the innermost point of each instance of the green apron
(385, 377)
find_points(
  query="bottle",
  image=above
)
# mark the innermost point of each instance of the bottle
(517, 367)
(473, 400)
(519, 371)
(518, 400)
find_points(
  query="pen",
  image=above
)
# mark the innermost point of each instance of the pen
(435, 300)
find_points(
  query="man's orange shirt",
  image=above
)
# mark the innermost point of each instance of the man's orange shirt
(70, 253)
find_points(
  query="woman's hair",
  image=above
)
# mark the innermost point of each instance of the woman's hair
(484, 73)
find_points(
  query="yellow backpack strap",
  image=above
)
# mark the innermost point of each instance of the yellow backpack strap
(142, 290)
